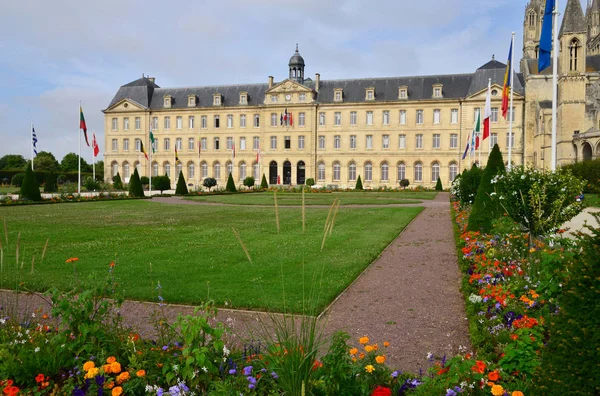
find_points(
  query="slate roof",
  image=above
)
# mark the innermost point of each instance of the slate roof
(455, 86)
(573, 21)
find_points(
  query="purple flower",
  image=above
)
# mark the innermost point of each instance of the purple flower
(232, 371)
(251, 386)
(274, 375)
(450, 392)
(247, 370)
(251, 379)
(396, 373)
(159, 392)
(183, 387)
(164, 348)
(174, 390)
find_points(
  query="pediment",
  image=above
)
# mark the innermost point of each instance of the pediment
(481, 95)
(288, 86)
(126, 105)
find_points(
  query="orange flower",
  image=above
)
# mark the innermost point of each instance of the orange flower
(141, 373)
(361, 356)
(106, 368)
(369, 348)
(111, 359)
(353, 351)
(71, 260)
(88, 365)
(479, 367)
(317, 365)
(117, 390)
(514, 336)
(115, 367)
(380, 359)
(493, 376)
(517, 393)
(364, 340)
(124, 376)
(11, 390)
(92, 372)
(386, 344)
(497, 390)
(112, 264)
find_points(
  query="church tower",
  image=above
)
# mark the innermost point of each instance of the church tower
(296, 66)
(593, 27)
(532, 27)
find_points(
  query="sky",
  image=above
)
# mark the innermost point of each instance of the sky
(57, 53)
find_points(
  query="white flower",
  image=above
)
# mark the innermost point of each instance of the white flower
(62, 346)
(474, 298)
(33, 315)
(149, 388)
(36, 350)
(204, 369)
(226, 351)
(429, 356)
(175, 367)
(2, 321)
(522, 177)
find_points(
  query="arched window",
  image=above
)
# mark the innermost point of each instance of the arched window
(155, 169)
(574, 47)
(453, 171)
(418, 172)
(126, 171)
(229, 168)
(435, 171)
(115, 168)
(217, 171)
(321, 171)
(531, 19)
(242, 171)
(204, 166)
(368, 172)
(179, 169)
(257, 172)
(537, 51)
(352, 171)
(138, 166)
(168, 169)
(385, 172)
(401, 171)
(191, 170)
(336, 171)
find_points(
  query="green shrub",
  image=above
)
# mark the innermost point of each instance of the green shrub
(487, 207)
(263, 182)
(117, 182)
(181, 188)
(359, 185)
(135, 185)
(17, 179)
(230, 184)
(310, 182)
(30, 188)
(589, 171)
(249, 182)
(404, 183)
(209, 182)
(438, 185)
(570, 360)
(90, 184)
(145, 180)
(50, 186)
(468, 185)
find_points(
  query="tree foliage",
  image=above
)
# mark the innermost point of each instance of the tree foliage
(12, 161)
(466, 187)
(310, 182)
(50, 186)
(70, 163)
(209, 182)
(45, 162)
(404, 183)
(249, 182)
(438, 185)
(135, 185)
(161, 183)
(181, 188)
(30, 188)
(359, 185)
(117, 182)
(230, 184)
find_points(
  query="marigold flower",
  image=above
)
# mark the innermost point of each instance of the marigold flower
(111, 359)
(493, 376)
(317, 365)
(361, 356)
(369, 348)
(88, 365)
(106, 368)
(497, 390)
(39, 378)
(479, 367)
(364, 340)
(380, 359)
(141, 373)
(117, 390)
(92, 372)
(115, 367)
(353, 351)
(71, 260)
(124, 376)
(517, 393)
(386, 344)
(369, 368)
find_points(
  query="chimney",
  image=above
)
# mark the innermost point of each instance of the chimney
(317, 81)
(270, 81)
(151, 79)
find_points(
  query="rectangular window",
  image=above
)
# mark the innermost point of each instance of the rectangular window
(436, 116)
(203, 122)
(454, 116)
(493, 139)
(229, 120)
(273, 98)
(229, 143)
(512, 140)
(115, 145)
(511, 114)
(436, 140)
(353, 141)
(138, 123)
(321, 119)
(337, 118)
(385, 142)
(179, 122)
(138, 145)
(178, 144)
(167, 144)
(419, 117)
(217, 121)
(216, 143)
(494, 115)
(302, 97)
(191, 144)
(321, 142)
(256, 120)
(243, 99)
(337, 142)
(453, 140)
(369, 142)
(204, 144)
(115, 124)
(217, 100)
(155, 123)
(437, 92)
(167, 123)
(287, 142)
(370, 94)
(242, 143)
(273, 119)
(301, 119)
(273, 142)
(255, 143)
(125, 144)
(369, 118)
(402, 117)
(338, 96)
(300, 142)
(353, 118)
(242, 120)
(402, 141)
(191, 122)
(126, 123)
(386, 117)
(419, 141)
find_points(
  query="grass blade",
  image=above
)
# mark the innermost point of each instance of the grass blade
(18, 246)
(334, 216)
(237, 235)
(5, 232)
(44, 251)
(32, 264)
(276, 210)
(303, 213)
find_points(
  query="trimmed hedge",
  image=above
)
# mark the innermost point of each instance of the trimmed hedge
(588, 171)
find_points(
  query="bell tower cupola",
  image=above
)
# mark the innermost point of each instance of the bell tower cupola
(297, 67)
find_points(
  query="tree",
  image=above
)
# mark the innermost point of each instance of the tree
(249, 182)
(12, 161)
(100, 170)
(468, 185)
(45, 162)
(181, 188)
(17, 179)
(135, 185)
(486, 208)
(359, 185)
(161, 183)
(438, 185)
(404, 183)
(30, 188)
(50, 185)
(230, 184)
(310, 182)
(70, 163)
(263, 182)
(117, 182)
(145, 180)
(209, 182)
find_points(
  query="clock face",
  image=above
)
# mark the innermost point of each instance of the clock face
(288, 97)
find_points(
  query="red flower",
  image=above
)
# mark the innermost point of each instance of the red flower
(39, 378)
(382, 391)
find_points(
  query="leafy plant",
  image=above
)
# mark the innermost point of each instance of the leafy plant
(230, 184)
(181, 188)
(17, 179)
(468, 184)
(438, 185)
(50, 186)
(249, 182)
(310, 182)
(135, 185)
(145, 180)
(359, 185)
(405, 183)
(209, 182)
(263, 182)
(161, 183)
(117, 182)
(90, 184)
(30, 188)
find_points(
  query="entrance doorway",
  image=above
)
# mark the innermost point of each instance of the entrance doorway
(587, 152)
(273, 172)
(287, 172)
(300, 173)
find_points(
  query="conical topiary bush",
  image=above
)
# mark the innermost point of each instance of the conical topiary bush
(135, 185)
(230, 184)
(263, 182)
(359, 185)
(181, 188)
(438, 185)
(30, 188)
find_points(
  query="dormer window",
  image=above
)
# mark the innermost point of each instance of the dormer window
(437, 90)
(192, 101)
(338, 95)
(403, 92)
(370, 95)
(243, 98)
(302, 97)
(167, 101)
(217, 99)
(273, 98)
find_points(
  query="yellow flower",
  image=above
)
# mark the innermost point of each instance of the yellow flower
(369, 368)
(92, 372)
(115, 367)
(497, 390)
(353, 351)
(111, 359)
(369, 348)
(364, 340)
(117, 391)
(88, 365)
(380, 359)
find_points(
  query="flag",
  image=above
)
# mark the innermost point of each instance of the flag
(95, 145)
(285, 116)
(476, 132)
(143, 150)
(199, 147)
(152, 140)
(233, 150)
(82, 125)
(546, 37)
(507, 81)
(258, 155)
(280, 118)
(467, 148)
(487, 112)
(291, 119)
(33, 139)
(176, 156)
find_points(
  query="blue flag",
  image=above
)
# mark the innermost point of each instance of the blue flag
(34, 139)
(467, 148)
(546, 37)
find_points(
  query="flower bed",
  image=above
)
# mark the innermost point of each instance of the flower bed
(65, 198)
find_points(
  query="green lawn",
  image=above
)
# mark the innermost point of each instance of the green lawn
(346, 198)
(193, 252)
(9, 190)
(592, 200)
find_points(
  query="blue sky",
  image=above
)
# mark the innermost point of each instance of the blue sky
(55, 53)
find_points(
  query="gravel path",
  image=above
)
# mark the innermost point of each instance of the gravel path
(409, 296)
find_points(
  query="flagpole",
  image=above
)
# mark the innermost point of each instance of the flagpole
(490, 121)
(79, 156)
(554, 83)
(479, 137)
(151, 152)
(510, 123)
(94, 158)
(31, 145)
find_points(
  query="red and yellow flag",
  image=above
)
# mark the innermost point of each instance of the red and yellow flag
(507, 87)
